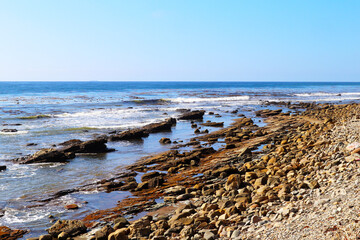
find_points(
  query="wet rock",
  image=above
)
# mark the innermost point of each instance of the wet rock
(70, 142)
(142, 186)
(139, 133)
(44, 156)
(7, 130)
(192, 115)
(155, 182)
(129, 135)
(230, 146)
(129, 186)
(161, 126)
(267, 113)
(150, 175)
(45, 237)
(165, 141)
(71, 206)
(31, 144)
(91, 146)
(7, 233)
(94, 146)
(205, 131)
(112, 185)
(71, 227)
(213, 124)
(69, 150)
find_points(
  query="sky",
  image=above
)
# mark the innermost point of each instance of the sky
(179, 40)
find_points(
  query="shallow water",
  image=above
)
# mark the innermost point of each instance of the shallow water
(86, 110)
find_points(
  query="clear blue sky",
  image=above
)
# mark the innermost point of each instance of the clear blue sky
(290, 40)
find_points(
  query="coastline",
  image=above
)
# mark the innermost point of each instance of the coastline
(231, 189)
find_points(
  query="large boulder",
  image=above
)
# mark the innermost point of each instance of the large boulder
(132, 134)
(161, 126)
(67, 152)
(192, 115)
(120, 234)
(91, 146)
(46, 156)
(94, 146)
(142, 132)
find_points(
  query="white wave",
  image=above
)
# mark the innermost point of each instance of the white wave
(350, 93)
(19, 171)
(330, 99)
(322, 94)
(14, 133)
(209, 99)
(89, 192)
(110, 118)
(104, 113)
(12, 215)
(47, 165)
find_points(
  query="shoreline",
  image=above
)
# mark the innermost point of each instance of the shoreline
(224, 171)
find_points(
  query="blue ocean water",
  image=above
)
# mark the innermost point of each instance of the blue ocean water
(31, 88)
(84, 110)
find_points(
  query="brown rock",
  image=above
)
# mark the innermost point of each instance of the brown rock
(71, 206)
(165, 141)
(249, 176)
(120, 234)
(71, 227)
(104, 232)
(120, 222)
(233, 182)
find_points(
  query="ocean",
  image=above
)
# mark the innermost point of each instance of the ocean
(36, 115)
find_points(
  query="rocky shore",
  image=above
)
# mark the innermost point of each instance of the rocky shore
(295, 178)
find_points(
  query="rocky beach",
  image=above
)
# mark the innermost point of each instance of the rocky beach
(294, 177)
(179, 120)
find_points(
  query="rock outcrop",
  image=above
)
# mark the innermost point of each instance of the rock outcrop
(68, 151)
(192, 115)
(139, 133)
